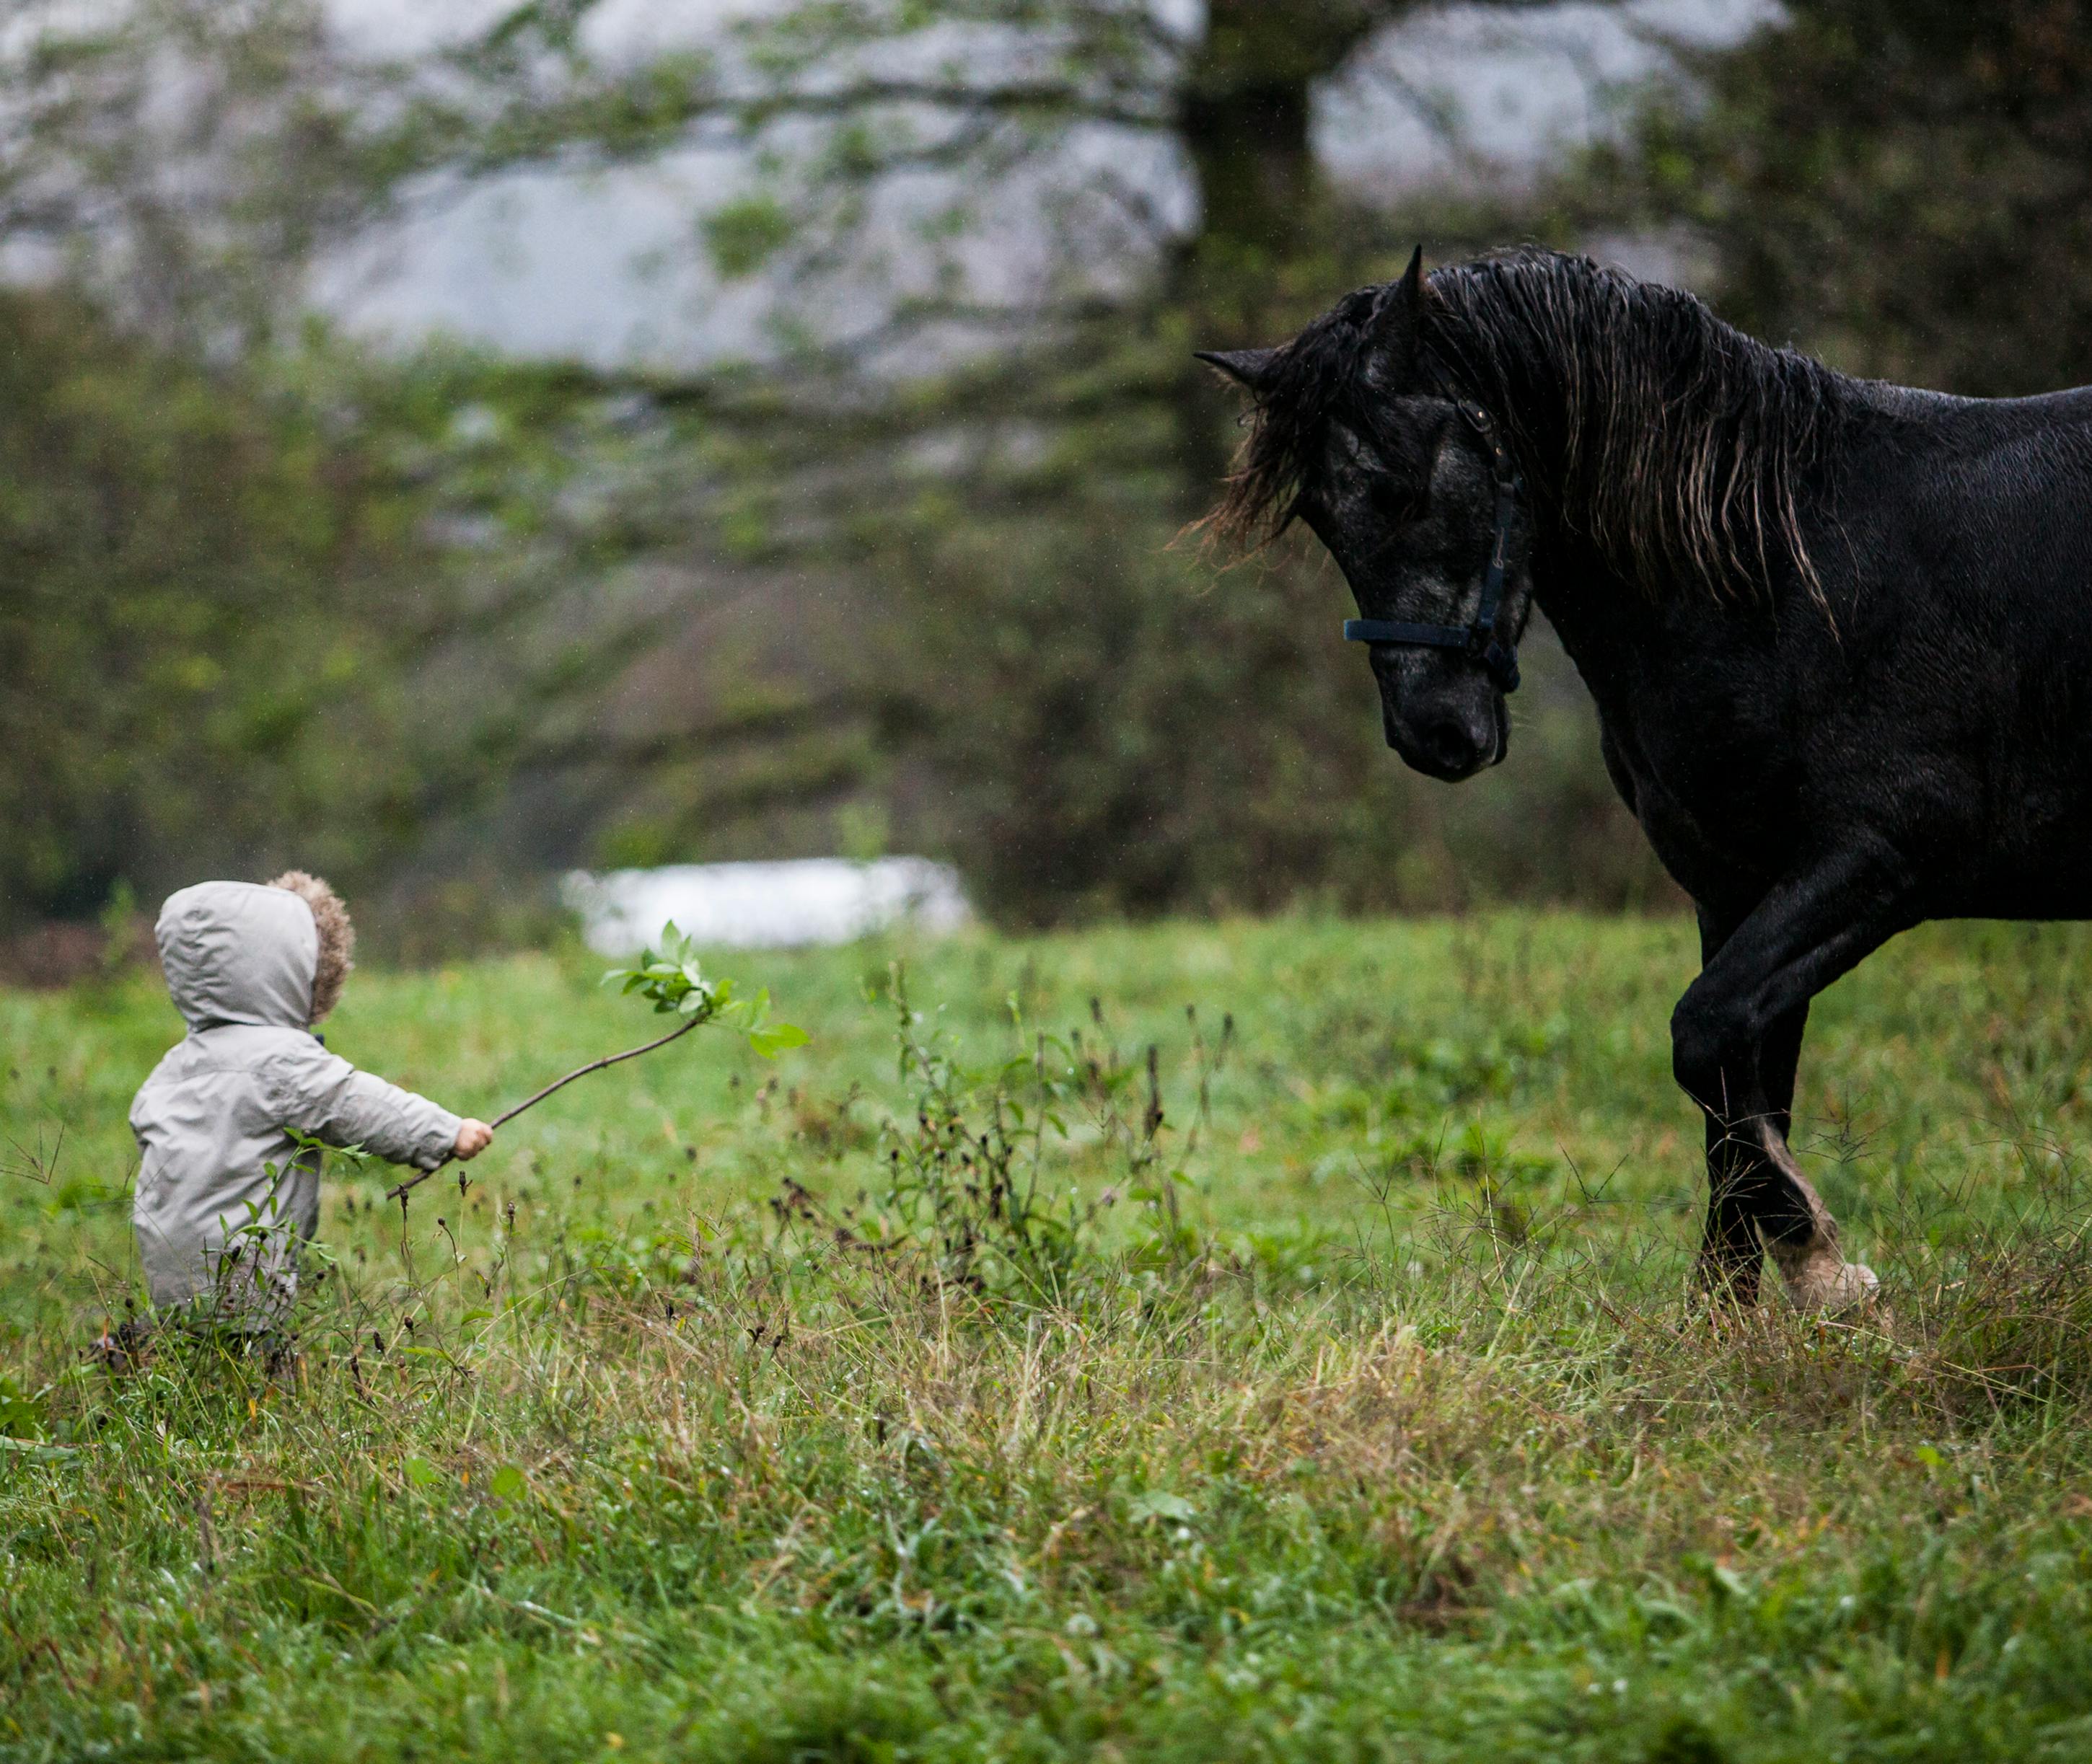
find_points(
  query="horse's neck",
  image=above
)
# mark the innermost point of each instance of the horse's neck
(1612, 625)
(1606, 623)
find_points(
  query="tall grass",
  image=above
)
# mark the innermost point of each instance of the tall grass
(1327, 1385)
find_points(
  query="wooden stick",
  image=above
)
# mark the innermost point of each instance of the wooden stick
(419, 1177)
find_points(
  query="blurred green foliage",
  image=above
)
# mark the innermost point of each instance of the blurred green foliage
(1119, 724)
(200, 633)
(923, 581)
(1896, 185)
(1098, 722)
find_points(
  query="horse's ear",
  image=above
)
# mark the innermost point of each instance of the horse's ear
(1396, 320)
(1412, 278)
(1251, 367)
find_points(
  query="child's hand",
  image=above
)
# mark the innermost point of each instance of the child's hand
(473, 1138)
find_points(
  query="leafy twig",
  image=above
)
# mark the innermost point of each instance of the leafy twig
(671, 981)
(420, 1176)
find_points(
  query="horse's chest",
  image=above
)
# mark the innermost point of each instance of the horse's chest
(1709, 790)
(1698, 733)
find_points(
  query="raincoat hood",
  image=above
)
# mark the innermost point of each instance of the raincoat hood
(237, 952)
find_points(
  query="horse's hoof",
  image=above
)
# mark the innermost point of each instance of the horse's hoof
(1825, 1286)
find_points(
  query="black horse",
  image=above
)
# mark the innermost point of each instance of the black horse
(1840, 633)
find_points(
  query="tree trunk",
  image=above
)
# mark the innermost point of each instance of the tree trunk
(1258, 264)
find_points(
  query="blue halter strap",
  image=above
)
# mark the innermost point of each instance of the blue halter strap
(1476, 641)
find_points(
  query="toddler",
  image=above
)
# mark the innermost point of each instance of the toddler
(251, 970)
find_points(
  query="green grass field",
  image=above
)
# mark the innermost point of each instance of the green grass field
(830, 1410)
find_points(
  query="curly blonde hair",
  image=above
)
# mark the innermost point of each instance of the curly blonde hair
(337, 936)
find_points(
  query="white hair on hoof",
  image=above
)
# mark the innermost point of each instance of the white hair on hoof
(1818, 1279)
(1823, 1283)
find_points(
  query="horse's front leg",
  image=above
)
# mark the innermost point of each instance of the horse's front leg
(1741, 1176)
(1740, 1173)
(1736, 1037)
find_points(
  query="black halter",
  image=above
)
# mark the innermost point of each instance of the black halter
(1477, 642)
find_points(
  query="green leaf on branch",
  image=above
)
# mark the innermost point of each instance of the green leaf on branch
(673, 981)
(772, 1041)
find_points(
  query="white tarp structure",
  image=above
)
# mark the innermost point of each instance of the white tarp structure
(766, 906)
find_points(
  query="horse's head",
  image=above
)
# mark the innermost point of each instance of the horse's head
(1355, 433)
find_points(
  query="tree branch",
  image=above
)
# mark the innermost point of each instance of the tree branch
(400, 1192)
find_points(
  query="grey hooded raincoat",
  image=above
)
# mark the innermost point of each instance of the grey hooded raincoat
(211, 1121)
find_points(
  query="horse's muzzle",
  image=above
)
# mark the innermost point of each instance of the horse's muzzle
(1449, 741)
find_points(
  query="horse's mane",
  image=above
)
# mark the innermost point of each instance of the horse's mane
(1672, 441)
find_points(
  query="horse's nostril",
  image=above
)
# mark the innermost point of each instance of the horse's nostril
(1449, 744)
